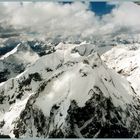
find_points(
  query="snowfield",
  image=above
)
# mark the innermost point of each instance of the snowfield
(125, 60)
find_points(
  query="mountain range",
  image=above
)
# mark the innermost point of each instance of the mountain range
(70, 91)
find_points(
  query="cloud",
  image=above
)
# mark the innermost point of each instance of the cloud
(128, 14)
(125, 16)
(3, 13)
(55, 19)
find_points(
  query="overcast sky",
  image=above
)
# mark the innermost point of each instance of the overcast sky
(71, 19)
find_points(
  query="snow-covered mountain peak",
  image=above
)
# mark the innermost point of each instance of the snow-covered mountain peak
(16, 61)
(54, 98)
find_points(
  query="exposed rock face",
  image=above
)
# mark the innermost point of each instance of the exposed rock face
(69, 94)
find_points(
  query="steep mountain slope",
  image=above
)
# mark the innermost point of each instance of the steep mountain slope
(69, 93)
(6, 45)
(15, 61)
(126, 61)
